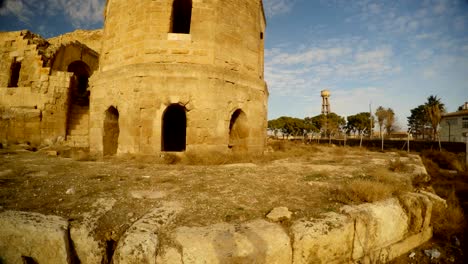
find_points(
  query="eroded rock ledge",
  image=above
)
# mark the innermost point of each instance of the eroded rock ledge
(367, 233)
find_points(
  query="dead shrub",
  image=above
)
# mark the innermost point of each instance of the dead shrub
(396, 165)
(448, 221)
(82, 155)
(169, 158)
(444, 159)
(279, 145)
(363, 191)
(317, 176)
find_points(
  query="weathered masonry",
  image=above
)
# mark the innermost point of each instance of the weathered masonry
(169, 75)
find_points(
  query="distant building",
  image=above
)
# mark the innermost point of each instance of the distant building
(453, 125)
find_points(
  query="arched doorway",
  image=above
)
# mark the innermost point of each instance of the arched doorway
(174, 128)
(78, 109)
(110, 137)
(238, 131)
(79, 82)
(181, 16)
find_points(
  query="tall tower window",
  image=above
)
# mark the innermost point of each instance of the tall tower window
(14, 73)
(181, 16)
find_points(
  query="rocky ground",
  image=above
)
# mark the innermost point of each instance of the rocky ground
(121, 190)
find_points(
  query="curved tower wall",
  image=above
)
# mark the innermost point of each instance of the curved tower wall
(212, 72)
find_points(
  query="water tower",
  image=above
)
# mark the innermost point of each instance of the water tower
(325, 102)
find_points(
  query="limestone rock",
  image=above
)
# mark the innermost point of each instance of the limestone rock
(326, 240)
(257, 241)
(279, 214)
(419, 210)
(437, 200)
(41, 238)
(373, 227)
(87, 248)
(140, 242)
(147, 194)
(169, 256)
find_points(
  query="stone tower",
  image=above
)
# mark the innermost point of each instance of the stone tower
(180, 75)
(325, 102)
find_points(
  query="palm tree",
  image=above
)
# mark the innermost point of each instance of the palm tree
(434, 109)
(381, 114)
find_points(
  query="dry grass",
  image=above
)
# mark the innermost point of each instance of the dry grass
(378, 184)
(448, 221)
(362, 190)
(396, 165)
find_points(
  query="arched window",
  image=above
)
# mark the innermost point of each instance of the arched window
(181, 16)
(174, 128)
(110, 138)
(238, 131)
(14, 73)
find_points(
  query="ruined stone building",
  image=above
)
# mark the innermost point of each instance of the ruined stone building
(166, 75)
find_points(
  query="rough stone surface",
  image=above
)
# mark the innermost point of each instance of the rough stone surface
(402, 247)
(39, 237)
(418, 209)
(87, 248)
(169, 255)
(377, 225)
(254, 242)
(435, 199)
(326, 240)
(140, 242)
(279, 214)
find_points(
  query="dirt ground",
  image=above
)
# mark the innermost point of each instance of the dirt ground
(303, 180)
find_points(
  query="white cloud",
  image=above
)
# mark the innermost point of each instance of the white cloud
(80, 13)
(277, 7)
(335, 62)
(425, 54)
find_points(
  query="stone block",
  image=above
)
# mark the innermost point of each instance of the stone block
(87, 248)
(419, 210)
(32, 236)
(377, 225)
(326, 240)
(257, 241)
(140, 242)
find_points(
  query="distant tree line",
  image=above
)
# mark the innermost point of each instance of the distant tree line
(423, 123)
(331, 125)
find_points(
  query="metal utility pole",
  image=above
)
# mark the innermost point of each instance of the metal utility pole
(371, 119)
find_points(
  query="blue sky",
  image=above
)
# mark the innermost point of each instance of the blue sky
(393, 53)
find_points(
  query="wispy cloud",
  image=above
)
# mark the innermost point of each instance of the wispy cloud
(80, 13)
(314, 67)
(277, 7)
(18, 9)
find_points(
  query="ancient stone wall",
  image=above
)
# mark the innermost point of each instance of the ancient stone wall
(366, 233)
(177, 75)
(90, 38)
(35, 107)
(212, 71)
